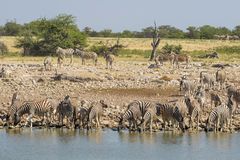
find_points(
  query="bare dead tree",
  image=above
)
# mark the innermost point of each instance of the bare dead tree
(155, 42)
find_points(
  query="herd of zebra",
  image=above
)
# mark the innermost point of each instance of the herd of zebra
(69, 52)
(182, 113)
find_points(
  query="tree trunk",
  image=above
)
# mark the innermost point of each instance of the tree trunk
(155, 42)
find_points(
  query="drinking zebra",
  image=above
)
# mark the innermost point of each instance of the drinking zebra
(87, 55)
(62, 53)
(96, 112)
(83, 112)
(221, 115)
(65, 109)
(12, 109)
(109, 60)
(194, 110)
(149, 117)
(41, 108)
(142, 106)
(170, 112)
(131, 115)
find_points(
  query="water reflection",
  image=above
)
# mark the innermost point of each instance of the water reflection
(105, 144)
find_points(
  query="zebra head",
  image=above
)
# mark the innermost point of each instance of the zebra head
(16, 118)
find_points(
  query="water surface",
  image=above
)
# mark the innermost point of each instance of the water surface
(62, 144)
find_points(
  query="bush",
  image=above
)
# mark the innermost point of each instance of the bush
(3, 48)
(167, 49)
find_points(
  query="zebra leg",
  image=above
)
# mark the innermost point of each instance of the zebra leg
(151, 123)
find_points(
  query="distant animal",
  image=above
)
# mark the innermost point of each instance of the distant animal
(87, 55)
(206, 79)
(62, 53)
(47, 63)
(220, 78)
(187, 86)
(109, 60)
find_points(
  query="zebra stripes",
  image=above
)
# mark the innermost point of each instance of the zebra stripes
(220, 78)
(170, 112)
(206, 79)
(131, 115)
(62, 53)
(41, 108)
(96, 112)
(12, 109)
(148, 117)
(141, 106)
(109, 60)
(65, 109)
(221, 115)
(47, 63)
(87, 55)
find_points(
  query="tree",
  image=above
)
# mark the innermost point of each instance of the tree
(167, 31)
(236, 31)
(12, 28)
(106, 33)
(43, 36)
(155, 42)
(193, 32)
(207, 32)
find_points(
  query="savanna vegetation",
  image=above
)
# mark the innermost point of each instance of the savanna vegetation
(41, 37)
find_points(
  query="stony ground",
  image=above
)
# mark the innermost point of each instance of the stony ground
(127, 81)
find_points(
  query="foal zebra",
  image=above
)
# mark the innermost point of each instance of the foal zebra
(83, 112)
(141, 106)
(62, 53)
(148, 117)
(187, 86)
(40, 108)
(87, 55)
(231, 91)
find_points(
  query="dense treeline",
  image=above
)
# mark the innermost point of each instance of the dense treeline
(12, 28)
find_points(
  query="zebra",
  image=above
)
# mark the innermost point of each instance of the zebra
(220, 78)
(62, 53)
(194, 110)
(215, 98)
(148, 117)
(187, 86)
(170, 112)
(59, 62)
(12, 109)
(200, 95)
(87, 55)
(65, 109)
(47, 63)
(206, 79)
(231, 91)
(221, 115)
(131, 115)
(109, 60)
(40, 108)
(142, 106)
(96, 112)
(175, 58)
(83, 112)
(159, 60)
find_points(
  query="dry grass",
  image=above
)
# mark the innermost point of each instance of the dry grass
(143, 43)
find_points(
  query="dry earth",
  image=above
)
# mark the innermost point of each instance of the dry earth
(127, 81)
